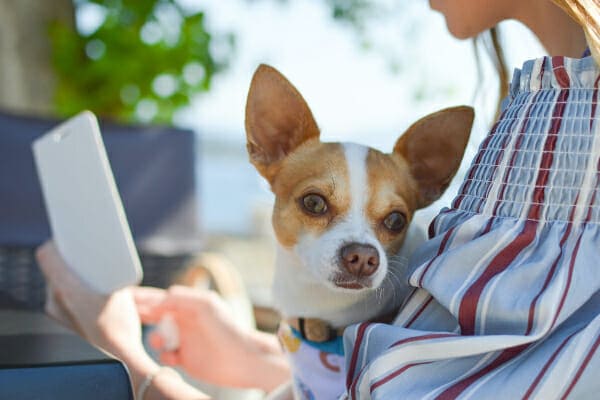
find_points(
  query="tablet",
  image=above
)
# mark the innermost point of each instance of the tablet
(86, 215)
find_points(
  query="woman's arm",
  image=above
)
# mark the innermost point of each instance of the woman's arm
(109, 322)
(212, 347)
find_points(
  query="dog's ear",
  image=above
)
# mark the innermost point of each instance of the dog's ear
(434, 147)
(278, 120)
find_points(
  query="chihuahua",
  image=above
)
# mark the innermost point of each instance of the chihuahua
(341, 215)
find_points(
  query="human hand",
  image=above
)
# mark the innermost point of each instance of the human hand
(109, 322)
(212, 346)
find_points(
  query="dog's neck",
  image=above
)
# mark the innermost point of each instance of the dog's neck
(296, 293)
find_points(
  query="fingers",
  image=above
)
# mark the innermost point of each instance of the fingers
(153, 303)
(157, 342)
(170, 358)
(149, 303)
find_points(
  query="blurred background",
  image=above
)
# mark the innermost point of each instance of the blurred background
(367, 68)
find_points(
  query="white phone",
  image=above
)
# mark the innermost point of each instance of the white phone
(84, 207)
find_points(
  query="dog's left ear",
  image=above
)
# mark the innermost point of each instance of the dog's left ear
(278, 120)
(434, 147)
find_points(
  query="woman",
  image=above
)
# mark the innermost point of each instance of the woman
(506, 291)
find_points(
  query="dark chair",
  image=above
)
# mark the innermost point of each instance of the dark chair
(154, 168)
(41, 359)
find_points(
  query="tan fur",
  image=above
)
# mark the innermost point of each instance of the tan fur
(391, 188)
(314, 167)
(434, 147)
(277, 120)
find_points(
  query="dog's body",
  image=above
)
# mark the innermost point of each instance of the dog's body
(341, 215)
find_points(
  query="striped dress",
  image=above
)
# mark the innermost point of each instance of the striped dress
(506, 296)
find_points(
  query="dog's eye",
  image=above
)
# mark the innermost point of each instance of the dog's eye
(314, 204)
(395, 221)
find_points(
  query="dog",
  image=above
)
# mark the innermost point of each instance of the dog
(341, 214)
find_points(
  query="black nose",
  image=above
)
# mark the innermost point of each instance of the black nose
(360, 259)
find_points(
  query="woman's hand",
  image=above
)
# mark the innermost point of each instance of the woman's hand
(109, 322)
(212, 346)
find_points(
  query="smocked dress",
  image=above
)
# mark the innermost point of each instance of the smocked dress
(505, 302)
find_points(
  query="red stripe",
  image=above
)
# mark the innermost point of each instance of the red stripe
(418, 313)
(561, 74)
(550, 274)
(468, 307)
(509, 170)
(441, 249)
(594, 103)
(353, 386)
(524, 127)
(548, 155)
(431, 230)
(393, 375)
(358, 342)
(572, 264)
(454, 391)
(539, 377)
(422, 337)
(517, 146)
(582, 368)
(574, 257)
(576, 249)
(399, 371)
(409, 298)
(567, 231)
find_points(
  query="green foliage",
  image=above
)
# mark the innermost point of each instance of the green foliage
(354, 12)
(145, 60)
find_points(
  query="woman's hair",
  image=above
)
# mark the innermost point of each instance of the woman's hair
(489, 41)
(585, 12)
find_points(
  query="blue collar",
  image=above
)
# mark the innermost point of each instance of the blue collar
(335, 346)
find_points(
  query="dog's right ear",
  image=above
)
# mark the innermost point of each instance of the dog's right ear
(434, 147)
(278, 120)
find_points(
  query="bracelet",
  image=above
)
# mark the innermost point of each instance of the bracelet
(143, 388)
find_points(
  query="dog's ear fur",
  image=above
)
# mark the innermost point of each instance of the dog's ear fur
(278, 120)
(434, 147)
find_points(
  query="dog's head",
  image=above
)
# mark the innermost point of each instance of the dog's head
(344, 208)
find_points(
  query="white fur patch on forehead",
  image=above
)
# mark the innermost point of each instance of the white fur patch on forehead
(356, 161)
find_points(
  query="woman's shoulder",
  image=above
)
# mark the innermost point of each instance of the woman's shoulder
(556, 72)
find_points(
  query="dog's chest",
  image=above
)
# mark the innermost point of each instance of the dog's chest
(318, 371)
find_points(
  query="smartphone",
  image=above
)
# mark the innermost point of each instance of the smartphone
(84, 208)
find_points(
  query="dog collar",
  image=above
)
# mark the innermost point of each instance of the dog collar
(318, 331)
(314, 329)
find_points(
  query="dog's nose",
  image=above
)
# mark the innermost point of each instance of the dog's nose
(360, 259)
